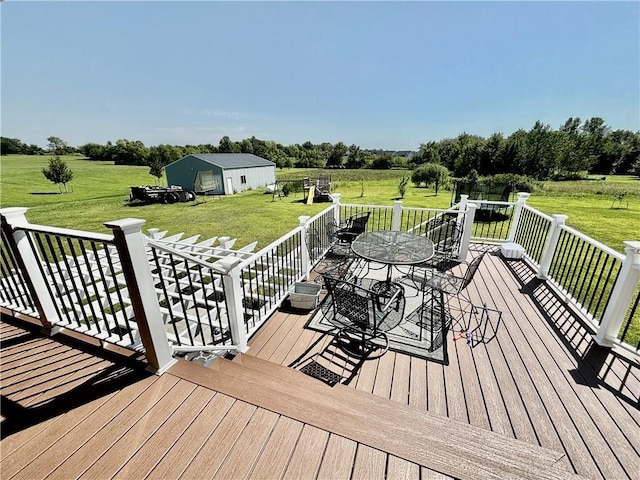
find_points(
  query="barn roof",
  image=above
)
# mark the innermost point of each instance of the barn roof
(233, 160)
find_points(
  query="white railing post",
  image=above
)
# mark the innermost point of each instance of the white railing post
(397, 215)
(517, 213)
(336, 207)
(304, 254)
(468, 227)
(550, 248)
(233, 298)
(130, 243)
(29, 263)
(462, 204)
(621, 296)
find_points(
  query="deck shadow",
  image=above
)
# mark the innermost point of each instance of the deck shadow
(596, 367)
(21, 413)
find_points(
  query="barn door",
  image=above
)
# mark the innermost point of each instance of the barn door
(229, 186)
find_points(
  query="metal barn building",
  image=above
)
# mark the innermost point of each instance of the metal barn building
(221, 173)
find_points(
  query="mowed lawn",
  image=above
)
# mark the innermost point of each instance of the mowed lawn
(101, 190)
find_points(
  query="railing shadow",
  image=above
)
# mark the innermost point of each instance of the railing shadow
(19, 409)
(596, 366)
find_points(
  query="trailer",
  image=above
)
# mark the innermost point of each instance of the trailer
(153, 194)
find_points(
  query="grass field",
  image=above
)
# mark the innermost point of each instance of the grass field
(101, 190)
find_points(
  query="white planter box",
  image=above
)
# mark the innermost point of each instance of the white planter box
(305, 295)
(512, 251)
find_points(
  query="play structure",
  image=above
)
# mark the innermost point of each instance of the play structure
(317, 190)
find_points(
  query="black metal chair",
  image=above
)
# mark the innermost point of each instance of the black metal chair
(451, 285)
(327, 256)
(362, 316)
(446, 238)
(353, 226)
(445, 233)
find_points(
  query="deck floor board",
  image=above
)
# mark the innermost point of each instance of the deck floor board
(277, 453)
(540, 380)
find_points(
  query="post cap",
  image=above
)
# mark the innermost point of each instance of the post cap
(126, 225)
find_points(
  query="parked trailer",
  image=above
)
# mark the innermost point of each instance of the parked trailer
(152, 194)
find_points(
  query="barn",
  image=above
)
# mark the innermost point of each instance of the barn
(221, 173)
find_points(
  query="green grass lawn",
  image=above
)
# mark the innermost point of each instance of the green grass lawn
(101, 190)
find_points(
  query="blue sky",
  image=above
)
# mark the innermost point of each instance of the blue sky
(386, 75)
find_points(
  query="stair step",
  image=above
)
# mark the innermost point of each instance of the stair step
(459, 450)
(357, 399)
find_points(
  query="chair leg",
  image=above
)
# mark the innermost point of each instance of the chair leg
(362, 345)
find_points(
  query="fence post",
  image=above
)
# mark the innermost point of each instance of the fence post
(522, 200)
(550, 248)
(336, 207)
(397, 215)
(621, 296)
(233, 297)
(131, 246)
(462, 204)
(304, 254)
(29, 263)
(468, 227)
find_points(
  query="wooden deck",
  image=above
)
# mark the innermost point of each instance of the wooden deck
(537, 401)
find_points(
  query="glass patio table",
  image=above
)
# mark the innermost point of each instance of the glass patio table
(392, 248)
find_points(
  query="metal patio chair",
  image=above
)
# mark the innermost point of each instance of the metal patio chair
(362, 316)
(446, 241)
(327, 255)
(353, 226)
(445, 235)
(450, 285)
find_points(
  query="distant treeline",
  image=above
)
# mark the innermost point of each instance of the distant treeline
(541, 152)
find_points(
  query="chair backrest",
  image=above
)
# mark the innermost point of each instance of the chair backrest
(446, 236)
(358, 223)
(352, 302)
(471, 271)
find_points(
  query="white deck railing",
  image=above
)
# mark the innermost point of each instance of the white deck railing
(165, 296)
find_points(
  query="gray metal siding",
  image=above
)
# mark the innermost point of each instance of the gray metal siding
(183, 172)
(256, 177)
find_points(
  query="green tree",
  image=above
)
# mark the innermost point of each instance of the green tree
(57, 146)
(430, 173)
(402, 186)
(571, 155)
(428, 153)
(127, 152)
(225, 145)
(540, 152)
(354, 157)
(164, 154)
(155, 169)
(491, 151)
(10, 146)
(383, 161)
(338, 151)
(595, 133)
(58, 172)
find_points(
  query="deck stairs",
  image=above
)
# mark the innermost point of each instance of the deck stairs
(438, 443)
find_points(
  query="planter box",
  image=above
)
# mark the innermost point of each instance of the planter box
(305, 295)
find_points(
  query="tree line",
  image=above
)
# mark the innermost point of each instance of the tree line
(542, 152)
